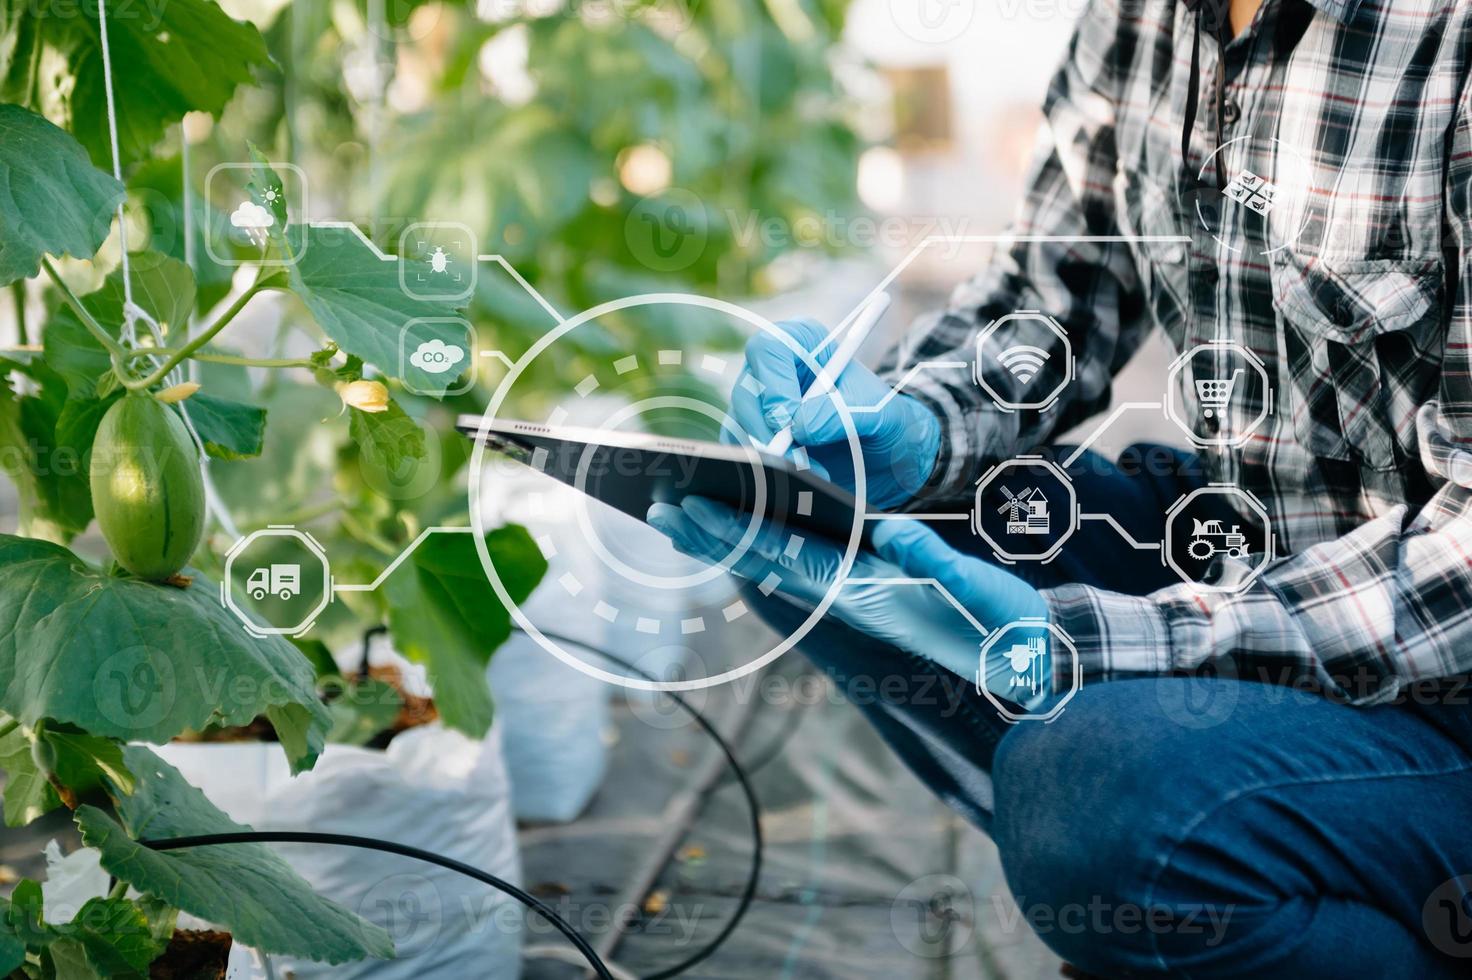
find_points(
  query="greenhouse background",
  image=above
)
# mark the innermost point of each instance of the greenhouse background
(796, 151)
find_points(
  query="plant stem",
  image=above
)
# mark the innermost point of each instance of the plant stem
(208, 334)
(307, 514)
(367, 536)
(74, 301)
(8, 726)
(119, 890)
(18, 293)
(261, 362)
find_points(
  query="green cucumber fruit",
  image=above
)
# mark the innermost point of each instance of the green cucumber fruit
(146, 488)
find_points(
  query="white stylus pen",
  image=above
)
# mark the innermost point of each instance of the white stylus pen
(868, 316)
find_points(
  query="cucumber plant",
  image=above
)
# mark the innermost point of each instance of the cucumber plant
(102, 654)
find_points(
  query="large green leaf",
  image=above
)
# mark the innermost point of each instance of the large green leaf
(106, 937)
(133, 660)
(244, 888)
(228, 429)
(444, 613)
(168, 59)
(52, 200)
(82, 763)
(358, 301)
(43, 449)
(28, 794)
(391, 445)
(12, 952)
(354, 293)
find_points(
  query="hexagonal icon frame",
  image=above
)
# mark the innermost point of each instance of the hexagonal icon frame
(473, 260)
(467, 375)
(303, 209)
(276, 531)
(1172, 393)
(1076, 681)
(1221, 490)
(1020, 462)
(979, 376)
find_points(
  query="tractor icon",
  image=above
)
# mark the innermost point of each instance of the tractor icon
(1209, 539)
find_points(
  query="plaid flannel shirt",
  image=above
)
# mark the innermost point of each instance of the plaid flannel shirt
(1363, 320)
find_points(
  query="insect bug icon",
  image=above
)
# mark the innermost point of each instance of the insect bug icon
(438, 260)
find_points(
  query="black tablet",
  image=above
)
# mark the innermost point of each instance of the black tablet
(631, 470)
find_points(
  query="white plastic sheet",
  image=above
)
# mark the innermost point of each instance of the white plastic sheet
(433, 789)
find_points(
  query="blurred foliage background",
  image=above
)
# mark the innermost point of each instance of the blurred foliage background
(603, 149)
(566, 136)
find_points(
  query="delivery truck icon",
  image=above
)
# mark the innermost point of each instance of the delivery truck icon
(281, 581)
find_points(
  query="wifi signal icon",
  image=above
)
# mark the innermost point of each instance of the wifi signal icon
(1024, 361)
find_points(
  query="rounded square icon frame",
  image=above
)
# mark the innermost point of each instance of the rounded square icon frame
(1068, 366)
(231, 261)
(276, 531)
(473, 356)
(473, 259)
(1076, 680)
(1019, 462)
(1172, 393)
(1218, 490)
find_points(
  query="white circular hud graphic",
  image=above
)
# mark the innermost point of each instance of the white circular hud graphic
(716, 604)
(1268, 186)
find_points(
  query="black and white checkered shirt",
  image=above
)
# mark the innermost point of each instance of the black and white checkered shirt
(1352, 286)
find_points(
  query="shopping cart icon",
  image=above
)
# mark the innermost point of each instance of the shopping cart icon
(1215, 393)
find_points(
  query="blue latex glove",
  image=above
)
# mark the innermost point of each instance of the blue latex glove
(900, 442)
(915, 618)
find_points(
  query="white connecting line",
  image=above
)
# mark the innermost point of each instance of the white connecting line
(1109, 519)
(923, 581)
(1109, 420)
(909, 376)
(402, 557)
(497, 259)
(894, 274)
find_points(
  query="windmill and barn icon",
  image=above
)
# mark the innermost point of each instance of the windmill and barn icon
(1026, 510)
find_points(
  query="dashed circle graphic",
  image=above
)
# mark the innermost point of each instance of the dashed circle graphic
(686, 626)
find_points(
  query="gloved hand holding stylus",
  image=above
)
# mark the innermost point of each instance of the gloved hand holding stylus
(900, 441)
(918, 618)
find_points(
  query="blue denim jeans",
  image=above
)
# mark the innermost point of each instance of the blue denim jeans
(1191, 826)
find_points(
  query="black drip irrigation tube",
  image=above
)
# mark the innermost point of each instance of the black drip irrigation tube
(531, 902)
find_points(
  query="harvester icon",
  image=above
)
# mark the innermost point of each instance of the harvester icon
(1209, 539)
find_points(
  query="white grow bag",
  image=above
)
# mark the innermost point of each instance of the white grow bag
(431, 788)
